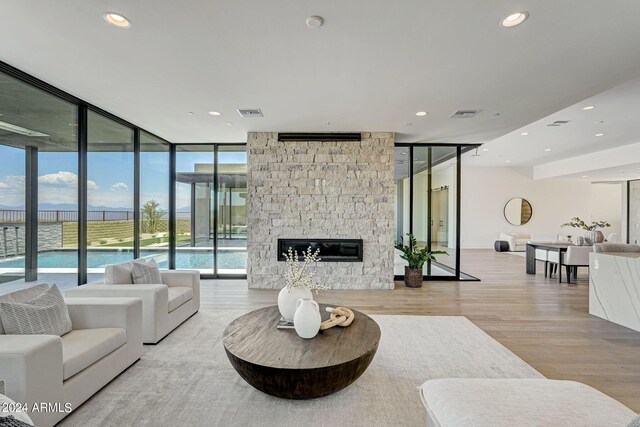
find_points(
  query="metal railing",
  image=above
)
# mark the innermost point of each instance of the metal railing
(17, 216)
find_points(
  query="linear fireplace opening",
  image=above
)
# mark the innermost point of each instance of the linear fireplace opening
(331, 250)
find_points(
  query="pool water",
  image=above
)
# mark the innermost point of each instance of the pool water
(185, 258)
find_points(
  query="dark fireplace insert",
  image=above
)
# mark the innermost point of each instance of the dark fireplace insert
(331, 250)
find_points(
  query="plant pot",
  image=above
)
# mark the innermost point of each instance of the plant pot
(413, 277)
(595, 236)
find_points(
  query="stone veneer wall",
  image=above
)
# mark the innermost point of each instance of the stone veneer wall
(321, 190)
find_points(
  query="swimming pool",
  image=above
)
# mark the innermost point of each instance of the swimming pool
(185, 258)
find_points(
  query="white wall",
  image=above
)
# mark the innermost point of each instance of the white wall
(607, 205)
(485, 190)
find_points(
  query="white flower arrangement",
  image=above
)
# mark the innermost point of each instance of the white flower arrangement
(300, 274)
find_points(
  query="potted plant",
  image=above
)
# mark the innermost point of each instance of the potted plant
(593, 234)
(415, 257)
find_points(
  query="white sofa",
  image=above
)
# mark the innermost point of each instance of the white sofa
(532, 402)
(165, 305)
(517, 243)
(106, 338)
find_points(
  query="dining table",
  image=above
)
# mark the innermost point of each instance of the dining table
(559, 247)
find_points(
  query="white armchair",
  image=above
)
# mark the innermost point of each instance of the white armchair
(105, 340)
(165, 305)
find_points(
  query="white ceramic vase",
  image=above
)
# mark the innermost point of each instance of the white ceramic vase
(307, 319)
(287, 299)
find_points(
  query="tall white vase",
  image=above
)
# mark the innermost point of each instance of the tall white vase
(307, 319)
(287, 299)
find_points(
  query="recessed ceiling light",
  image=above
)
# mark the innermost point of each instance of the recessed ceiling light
(229, 123)
(190, 113)
(589, 107)
(215, 113)
(421, 113)
(117, 20)
(584, 176)
(315, 21)
(547, 149)
(524, 133)
(485, 149)
(514, 19)
(507, 161)
(599, 134)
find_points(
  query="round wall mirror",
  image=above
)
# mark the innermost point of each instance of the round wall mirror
(518, 211)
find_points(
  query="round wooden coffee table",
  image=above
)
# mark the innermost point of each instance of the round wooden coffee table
(280, 363)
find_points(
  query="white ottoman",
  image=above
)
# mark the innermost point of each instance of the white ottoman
(480, 402)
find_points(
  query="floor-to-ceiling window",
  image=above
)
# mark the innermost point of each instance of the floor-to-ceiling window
(211, 223)
(154, 199)
(70, 197)
(110, 185)
(38, 184)
(427, 188)
(232, 209)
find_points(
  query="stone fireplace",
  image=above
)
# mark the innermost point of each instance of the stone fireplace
(316, 190)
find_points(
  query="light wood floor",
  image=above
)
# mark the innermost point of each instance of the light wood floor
(545, 323)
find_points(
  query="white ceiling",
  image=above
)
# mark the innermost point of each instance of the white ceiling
(616, 115)
(371, 67)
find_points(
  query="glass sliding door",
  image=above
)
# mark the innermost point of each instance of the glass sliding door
(443, 206)
(426, 205)
(110, 173)
(195, 207)
(154, 199)
(232, 210)
(211, 209)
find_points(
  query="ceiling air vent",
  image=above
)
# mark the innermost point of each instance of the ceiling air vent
(559, 122)
(464, 114)
(250, 112)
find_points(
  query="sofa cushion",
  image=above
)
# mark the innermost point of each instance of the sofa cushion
(178, 295)
(146, 274)
(507, 402)
(81, 348)
(46, 314)
(118, 274)
(23, 295)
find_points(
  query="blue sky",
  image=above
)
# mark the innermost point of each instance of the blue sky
(110, 176)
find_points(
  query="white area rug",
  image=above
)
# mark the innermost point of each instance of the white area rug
(186, 380)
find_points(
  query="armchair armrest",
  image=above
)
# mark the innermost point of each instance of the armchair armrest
(190, 278)
(31, 367)
(91, 313)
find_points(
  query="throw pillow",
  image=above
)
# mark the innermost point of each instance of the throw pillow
(46, 314)
(146, 274)
(10, 421)
(634, 422)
